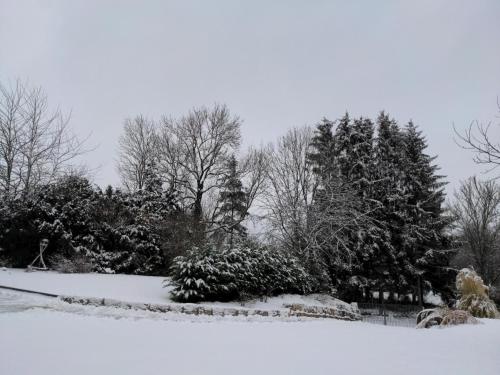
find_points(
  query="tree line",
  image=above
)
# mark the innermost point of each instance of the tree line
(352, 206)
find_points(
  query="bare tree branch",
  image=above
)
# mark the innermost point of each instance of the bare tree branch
(138, 153)
(477, 138)
(36, 145)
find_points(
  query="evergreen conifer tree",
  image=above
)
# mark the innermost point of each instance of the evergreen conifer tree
(423, 237)
(233, 207)
(390, 197)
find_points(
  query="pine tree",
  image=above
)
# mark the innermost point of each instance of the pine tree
(389, 196)
(423, 236)
(321, 155)
(342, 162)
(361, 164)
(323, 164)
(233, 208)
(343, 146)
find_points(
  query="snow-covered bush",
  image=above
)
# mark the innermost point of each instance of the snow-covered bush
(231, 272)
(457, 317)
(128, 249)
(116, 232)
(79, 263)
(444, 317)
(474, 295)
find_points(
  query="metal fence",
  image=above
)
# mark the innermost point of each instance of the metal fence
(397, 315)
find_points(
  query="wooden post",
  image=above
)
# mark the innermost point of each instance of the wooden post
(420, 292)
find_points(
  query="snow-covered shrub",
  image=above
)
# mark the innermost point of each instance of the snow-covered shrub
(444, 317)
(132, 250)
(18, 233)
(116, 231)
(456, 317)
(204, 274)
(474, 295)
(479, 306)
(230, 272)
(79, 263)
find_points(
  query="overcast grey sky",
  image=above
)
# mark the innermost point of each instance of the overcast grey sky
(276, 64)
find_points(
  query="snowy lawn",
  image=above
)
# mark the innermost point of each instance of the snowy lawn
(44, 342)
(131, 288)
(122, 287)
(44, 336)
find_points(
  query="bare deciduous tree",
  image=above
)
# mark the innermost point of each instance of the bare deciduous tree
(254, 173)
(138, 155)
(12, 123)
(291, 186)
(194, 150)
(35, 142)
(477, 217)
(478, 138)
(313, 223)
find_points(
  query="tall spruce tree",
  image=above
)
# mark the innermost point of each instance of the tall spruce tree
(423, 236)
(363, 179)
(233, 207)
(394, 183)
(389, 195)
(342, 162)
(321, 155)
(343, 146)
(362, 165)
(321, 159)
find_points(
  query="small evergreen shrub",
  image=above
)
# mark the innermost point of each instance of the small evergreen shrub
(210, 274)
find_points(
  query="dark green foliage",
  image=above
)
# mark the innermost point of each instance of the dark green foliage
(394, 183)
(19, 238)
(117, 232)
(223, 274)
(321, 155)
(233, 205)
(423, 236)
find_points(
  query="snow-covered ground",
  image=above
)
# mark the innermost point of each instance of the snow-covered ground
(89, 340)
(132, 288)
(122, 287)
(41, 335)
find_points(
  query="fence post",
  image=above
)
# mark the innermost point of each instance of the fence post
(420, 292)
(384, 314)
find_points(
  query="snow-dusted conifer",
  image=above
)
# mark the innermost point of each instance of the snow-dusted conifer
(233, 208)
